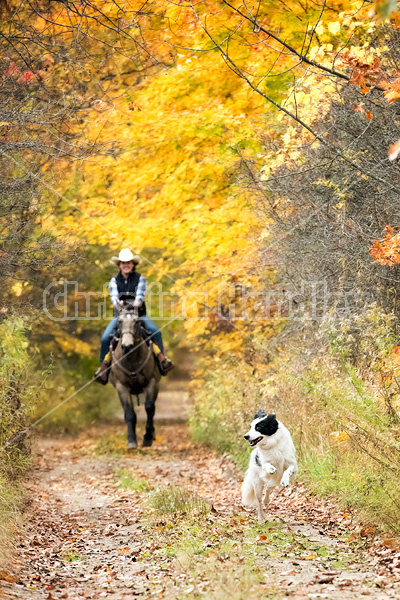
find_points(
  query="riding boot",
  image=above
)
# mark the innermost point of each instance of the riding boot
(166, 366)
(102, 373)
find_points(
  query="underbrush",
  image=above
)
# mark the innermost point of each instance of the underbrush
(342, 414)
(71, 400)
(11, 500)
(19, 390)
(224, 405)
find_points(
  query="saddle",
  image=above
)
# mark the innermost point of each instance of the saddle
(149, 343)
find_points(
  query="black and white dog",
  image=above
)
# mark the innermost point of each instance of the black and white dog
(272, 462)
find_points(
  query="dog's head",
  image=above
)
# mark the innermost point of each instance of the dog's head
(263, 426)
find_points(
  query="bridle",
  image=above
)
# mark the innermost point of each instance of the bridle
(135, 374)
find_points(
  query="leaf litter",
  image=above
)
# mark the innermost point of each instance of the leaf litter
(168, 522)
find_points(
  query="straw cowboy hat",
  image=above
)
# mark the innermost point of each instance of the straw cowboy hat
(125, 256)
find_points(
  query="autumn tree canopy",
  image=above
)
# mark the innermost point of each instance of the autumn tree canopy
(215, 138)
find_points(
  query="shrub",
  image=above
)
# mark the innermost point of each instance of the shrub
(18, 395)
(343, 419)
(223, 406)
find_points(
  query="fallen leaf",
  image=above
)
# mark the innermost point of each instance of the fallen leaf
(394, 150)
(392, 543)
(285, 573)
(367, 531)
(325, 579)
(5, 576)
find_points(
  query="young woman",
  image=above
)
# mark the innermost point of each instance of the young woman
(129, 285)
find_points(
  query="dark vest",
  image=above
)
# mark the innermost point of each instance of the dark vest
(127, 288)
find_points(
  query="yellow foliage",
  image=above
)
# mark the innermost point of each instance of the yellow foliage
(185, 129)
(17, 288)
(69, 343)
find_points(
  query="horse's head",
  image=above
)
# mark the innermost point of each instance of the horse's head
(129, 325)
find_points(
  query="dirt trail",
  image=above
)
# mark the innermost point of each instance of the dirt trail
(99, 526)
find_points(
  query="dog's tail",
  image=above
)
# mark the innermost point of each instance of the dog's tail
(248, 495)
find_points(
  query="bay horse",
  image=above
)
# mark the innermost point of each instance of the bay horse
(134, 371)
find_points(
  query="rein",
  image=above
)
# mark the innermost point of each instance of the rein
(135, 374)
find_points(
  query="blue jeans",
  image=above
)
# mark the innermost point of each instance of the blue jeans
(149, 326)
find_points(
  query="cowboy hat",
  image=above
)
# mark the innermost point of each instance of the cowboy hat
(125, 256)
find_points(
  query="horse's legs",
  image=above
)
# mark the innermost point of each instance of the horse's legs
(150, 406)
(129, 414)
(130, 420)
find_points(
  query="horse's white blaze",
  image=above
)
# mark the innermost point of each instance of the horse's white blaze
(127, 339)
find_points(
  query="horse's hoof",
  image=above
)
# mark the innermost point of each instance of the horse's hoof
(132, 445)
(148, 441)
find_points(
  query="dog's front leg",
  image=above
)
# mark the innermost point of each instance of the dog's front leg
(268, 468)
(285, 481)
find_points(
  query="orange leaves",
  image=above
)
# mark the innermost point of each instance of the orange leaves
(26, 77)
(393, 91)
(396, 20)
(394, 150)
(360, 108)
(387, 252)
(359, 79)
(364, 75)
(11, 71)
(6, 576)
(21, 76)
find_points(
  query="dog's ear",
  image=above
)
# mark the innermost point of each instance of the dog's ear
(259, 414)
(268, 426)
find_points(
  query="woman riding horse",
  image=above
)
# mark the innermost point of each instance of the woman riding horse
(129, 285)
